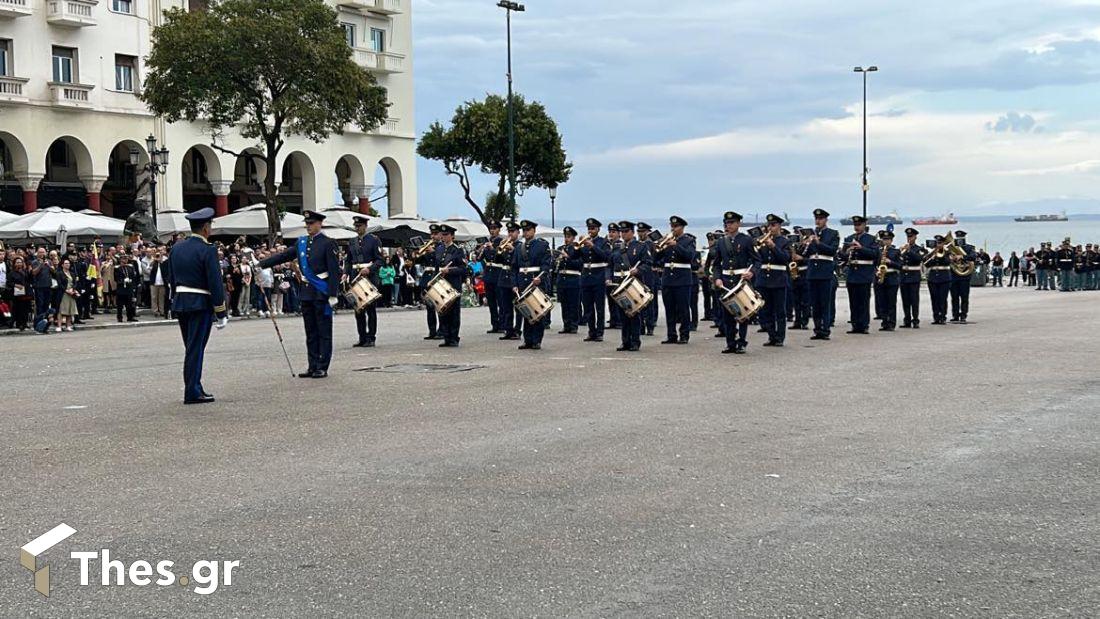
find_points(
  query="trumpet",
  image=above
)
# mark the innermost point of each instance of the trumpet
(425, 249)
(665, 243)
(506, 245)
(762, 241)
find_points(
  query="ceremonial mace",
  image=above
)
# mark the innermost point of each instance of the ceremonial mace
(270, 312)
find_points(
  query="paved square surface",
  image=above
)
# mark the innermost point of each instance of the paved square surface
(948, 471)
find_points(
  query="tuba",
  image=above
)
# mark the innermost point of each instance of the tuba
(958, 255)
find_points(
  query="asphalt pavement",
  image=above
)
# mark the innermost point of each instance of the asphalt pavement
(950, 471)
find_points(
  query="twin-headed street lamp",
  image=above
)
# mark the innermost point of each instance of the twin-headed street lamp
(158, 164)
(870, 69)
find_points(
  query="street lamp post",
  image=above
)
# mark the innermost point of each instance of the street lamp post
(158, 164)
(508, 7)
(870, 69)
(553, 223)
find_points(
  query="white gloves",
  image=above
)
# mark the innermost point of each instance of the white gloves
(221, 323)
(332, 301)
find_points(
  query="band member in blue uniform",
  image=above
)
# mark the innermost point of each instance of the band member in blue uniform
(676, 257)
(595, 258)
(616, 272)
(706, 284)
(637, 259)
(887, 291)
(531, 263)
(1044, 268)
(960, 284)
(800, 285)
(450, 259)
(364, 259)
(861, 253)
(427, 263)
(939, 280)
(774, 258)
(569, 265)
(491, 275)
(652, 279)
(912, 255)
(195, 276)
(734, 260)
(1063, 263)
(320, 267)
(506, 281)
(820, 252)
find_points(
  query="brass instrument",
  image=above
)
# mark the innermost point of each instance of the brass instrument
(882, 270)
(762, 241)
(506, 245)
(425, 249)
(664, 243)
(958, 254)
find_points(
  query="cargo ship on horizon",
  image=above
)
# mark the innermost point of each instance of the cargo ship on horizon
(1033, 218)
(946, 220)
(876, 220)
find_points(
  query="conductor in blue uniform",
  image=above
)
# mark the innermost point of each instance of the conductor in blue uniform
(195, 276)
(531, 262)
(320, 266)
(364, 259)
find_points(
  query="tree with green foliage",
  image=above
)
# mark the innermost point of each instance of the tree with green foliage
(269, 69)
(478, 138)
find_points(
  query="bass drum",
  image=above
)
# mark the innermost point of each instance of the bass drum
(440, 294)
(632, 296)
(742, 301)
(533, 304)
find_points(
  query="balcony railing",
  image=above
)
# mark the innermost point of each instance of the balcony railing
(356, 4)
(379, 62)
(389, 127)
(11, 88)
(72, 13)
(71, 95)
(385, 7)
(15, 8)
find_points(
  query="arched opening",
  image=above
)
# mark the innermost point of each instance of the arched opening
(387, 188)
(248, 180)
(349, 181)
(125, 180)
(202, 178)
(67, 160)
(13, 161)
(297, 191)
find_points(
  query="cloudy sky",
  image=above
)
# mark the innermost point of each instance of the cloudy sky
(696, 106)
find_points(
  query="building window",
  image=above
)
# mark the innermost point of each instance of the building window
(5, 57)
(123, 6)
(64, 65)
(59, 154)
(349, 33)
(378, 40)
(125, 70)
(198, 168)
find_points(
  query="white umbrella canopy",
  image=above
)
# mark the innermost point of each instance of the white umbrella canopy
(172, 221)
(44, 224)
(5, 217)
(465, 229)
(340, 217)
(252, 220)
(335, 233)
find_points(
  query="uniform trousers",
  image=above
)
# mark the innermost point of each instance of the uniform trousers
(677, 317)
(317, 318)
(910, 302)
(774, 314)
(592, 299)
(939, 292)
(960, 298)
(195, 329)
(859, 303)
(821, 299)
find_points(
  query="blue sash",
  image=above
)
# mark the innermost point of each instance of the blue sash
(307, 272)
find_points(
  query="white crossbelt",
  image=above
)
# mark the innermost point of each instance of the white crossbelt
(911, 268)
(732, 272)
(821, 257)
(774, 267)
(861, 262)
(939, 268)
(596, 265)
(569, 272)
(192, 290)
(530, 269)
(677, 265)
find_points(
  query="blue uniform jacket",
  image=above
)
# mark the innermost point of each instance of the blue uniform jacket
(454, 257)
(505, 277)
(863, 273)
(569, 268)
(910, 262)
(618, 262)
(534, 254)
(193, 263)
(893, 264)
(321, 256)
(599, 253)
(827, 244)
(939, 269)
(636, 254)
(677, 262)
(732, 253)
(778, 256)
(364, 251)
(492, 266)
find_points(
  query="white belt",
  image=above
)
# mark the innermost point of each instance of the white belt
(565, 272)
(803, 268)
(361, 265)
(596, 265)
(821, 257)
(911, 268)
(891, 270)
(732, 272)
(620, 273)
(677, 265)
(530, 269)
(861, 262)
(495, 265)
(430, 269)
(939, 268)
(322, 275)
(192, 290)
(774, 267)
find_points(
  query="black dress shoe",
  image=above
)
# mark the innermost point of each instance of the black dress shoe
(494, 331)
(906, 326)
(916, 326)
(369, 344)
(683, 340)
(525, 347)
(509, 337)
(306, 374)
(719, 335)
(536, 346)
(430, 337)
(739, 350)
(761, 330)
(319, 374)
(649, 331)
(202, 399)
(449, 345)
(634, 348)
(885, 328)
(730, 351)
(359, 345)
(670, 342)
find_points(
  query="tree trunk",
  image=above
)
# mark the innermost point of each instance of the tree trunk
(270, 196)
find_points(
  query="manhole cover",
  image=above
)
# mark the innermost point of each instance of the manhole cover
(421, 368)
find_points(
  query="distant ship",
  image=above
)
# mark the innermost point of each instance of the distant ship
(1031, 218)
(946, 220)
(876, 220)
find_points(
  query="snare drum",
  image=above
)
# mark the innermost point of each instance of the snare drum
(533, 304)
(632, 296)
(362, 294)
(742, 301)
(441, 294)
